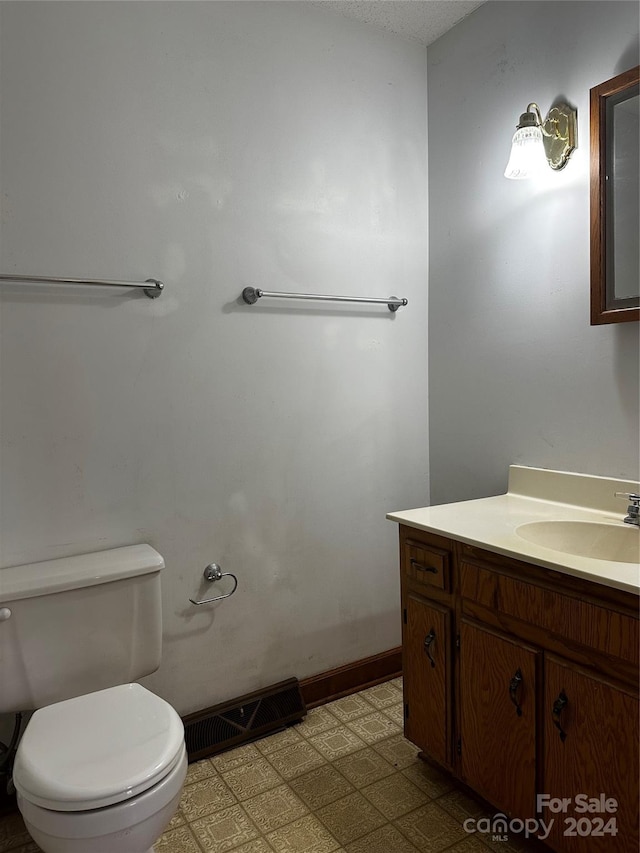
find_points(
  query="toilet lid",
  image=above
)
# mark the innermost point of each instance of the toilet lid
(97, 749)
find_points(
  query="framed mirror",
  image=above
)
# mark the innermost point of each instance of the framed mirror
(615, 199)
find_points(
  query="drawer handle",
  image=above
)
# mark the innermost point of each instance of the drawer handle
(514, 684)
(556, 710)
(427, 646)
(420, 568)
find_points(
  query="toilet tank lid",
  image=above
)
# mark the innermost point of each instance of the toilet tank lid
(65, 573)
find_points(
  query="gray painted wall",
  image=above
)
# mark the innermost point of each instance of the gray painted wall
(516, 373)
(215, 146)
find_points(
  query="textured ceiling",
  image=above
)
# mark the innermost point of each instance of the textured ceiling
(421, 20)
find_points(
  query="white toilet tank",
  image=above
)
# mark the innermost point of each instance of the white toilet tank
(78, 624)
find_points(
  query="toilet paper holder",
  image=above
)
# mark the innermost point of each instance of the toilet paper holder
(213, 573)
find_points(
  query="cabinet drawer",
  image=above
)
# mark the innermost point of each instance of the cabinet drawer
(573, 619)
(427, 564)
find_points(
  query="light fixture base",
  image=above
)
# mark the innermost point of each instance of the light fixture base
(559, 135)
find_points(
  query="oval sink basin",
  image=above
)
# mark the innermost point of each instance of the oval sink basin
(619, 543)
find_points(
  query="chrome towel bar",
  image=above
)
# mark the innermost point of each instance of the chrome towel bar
(212, 573)
(252, 294)
(151, 287)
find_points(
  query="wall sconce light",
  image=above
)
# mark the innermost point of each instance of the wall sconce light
(536, 140)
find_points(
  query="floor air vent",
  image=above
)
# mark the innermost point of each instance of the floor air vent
(243, 719)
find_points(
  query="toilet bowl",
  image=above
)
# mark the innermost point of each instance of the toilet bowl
(102, 760)
(101, 773)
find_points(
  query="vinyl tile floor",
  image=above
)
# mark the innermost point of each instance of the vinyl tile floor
(344, 780)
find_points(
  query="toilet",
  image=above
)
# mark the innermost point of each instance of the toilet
(102, 761)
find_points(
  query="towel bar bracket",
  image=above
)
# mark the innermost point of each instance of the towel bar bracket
(156, 290)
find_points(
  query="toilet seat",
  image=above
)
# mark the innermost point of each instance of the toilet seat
(99, 749)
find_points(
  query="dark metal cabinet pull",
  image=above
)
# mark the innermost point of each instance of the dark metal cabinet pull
(556, 710)
(427, 646)
(420, 568)
(514, 684)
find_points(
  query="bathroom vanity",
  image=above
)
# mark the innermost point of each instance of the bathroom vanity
(520, 661)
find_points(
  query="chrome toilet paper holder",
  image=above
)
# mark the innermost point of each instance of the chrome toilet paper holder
(213, 573)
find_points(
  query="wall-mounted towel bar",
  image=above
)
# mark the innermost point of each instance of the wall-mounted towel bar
(212, 573)
(151, 287)
(252, 294)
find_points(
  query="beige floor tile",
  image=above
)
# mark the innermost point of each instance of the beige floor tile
(254, 777)
(321, 786)
(179, 840)
(278, 740)
(317, 720)
(224, 830)
(432, 781)
(387, 839)
(177, 820)
(275, 808)
(199, 770)
(13, 833)
(295, 760)
(461, 806)
(258, 845)
(364, 767)
(396, 715)
(350, 818)
(383, 695)
(204, 797)
(395, 796)
(398, 751)
(430, 829)
(374, 727)
(306, 835)
(337, 742)
(350, 707)
(235, 757)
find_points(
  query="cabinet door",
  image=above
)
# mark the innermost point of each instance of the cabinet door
(426, 672)
(498, 718)
(590, 748)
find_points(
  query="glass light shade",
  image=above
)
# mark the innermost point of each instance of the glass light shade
(527, 154)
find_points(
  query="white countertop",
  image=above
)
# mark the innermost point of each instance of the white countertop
(490, 523)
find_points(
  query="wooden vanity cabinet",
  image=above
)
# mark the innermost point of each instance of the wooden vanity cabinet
(521, 681)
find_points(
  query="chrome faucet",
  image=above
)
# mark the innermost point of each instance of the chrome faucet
(633, 510)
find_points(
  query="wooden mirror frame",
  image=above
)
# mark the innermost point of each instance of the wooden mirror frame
(598, 102)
